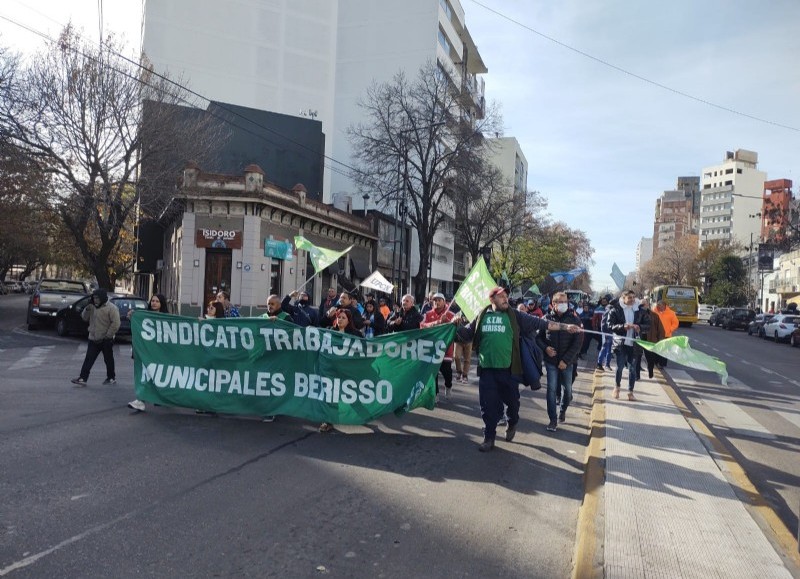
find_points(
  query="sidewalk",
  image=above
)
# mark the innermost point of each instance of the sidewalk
(668, 510)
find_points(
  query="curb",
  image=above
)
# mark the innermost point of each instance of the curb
(781, 537)
(588, 556)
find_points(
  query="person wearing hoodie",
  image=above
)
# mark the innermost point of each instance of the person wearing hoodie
(625, 320)
(103, 318)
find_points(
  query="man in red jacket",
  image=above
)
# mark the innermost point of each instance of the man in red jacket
(441, 314)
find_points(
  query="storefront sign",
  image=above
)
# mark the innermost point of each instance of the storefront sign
(218, 238)
(278, 249)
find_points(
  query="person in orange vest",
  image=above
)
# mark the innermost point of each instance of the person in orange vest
(670, 322)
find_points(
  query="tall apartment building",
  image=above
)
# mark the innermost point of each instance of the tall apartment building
(310, 57)
(691, 188)
(644, 252)
(731, 199)
(507, 156)
(673, 218)
(317, 58)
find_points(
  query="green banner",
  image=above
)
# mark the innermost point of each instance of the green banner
(266, 367)
(677, 349)
(320, 256)
(473, 293)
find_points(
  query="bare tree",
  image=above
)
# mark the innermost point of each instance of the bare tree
(77, 110)
(413, 143)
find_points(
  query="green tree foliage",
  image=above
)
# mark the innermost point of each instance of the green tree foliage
(729, 286)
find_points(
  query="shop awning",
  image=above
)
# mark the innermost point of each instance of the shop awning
(361, 266)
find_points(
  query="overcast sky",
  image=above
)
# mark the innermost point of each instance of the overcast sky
(601, 144)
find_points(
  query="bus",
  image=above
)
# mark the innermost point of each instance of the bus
(681, 298)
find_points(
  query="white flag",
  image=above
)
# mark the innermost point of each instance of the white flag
(377, 282)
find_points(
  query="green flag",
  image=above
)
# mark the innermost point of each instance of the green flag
(320, 257)
(473, 294)
(535, 289)
(254, 366)
(678, 350)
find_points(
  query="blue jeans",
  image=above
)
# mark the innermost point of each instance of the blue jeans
(555, 380)
(625, 357)
(497, 387)
(604, 357)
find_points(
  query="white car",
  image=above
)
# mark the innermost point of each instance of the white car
(704, 312)
(781, 326)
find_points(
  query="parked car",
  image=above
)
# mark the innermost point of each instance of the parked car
(757, 325)
(781, 326)
(704, 312)
(714, 319)
(737, 318)
(50, 296)
(794, 337)
(69, 320)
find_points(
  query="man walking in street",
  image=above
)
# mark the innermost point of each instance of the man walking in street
(560, 353)
(625, 320)
(103, 318)
(497, 331)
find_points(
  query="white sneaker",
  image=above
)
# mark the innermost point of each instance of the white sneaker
(269, 418)
(447, 392)
(137, 405)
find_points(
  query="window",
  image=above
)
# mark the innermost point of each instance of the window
(729, 182)
(275, 277)
(444, 42)
(446, 7)
(739, 171)
(728, 171)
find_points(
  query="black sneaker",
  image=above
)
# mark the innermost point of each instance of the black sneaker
(110, 381)
(486, 445)
(553, 426)
(562, 416)
(78, 381)
(600, 367)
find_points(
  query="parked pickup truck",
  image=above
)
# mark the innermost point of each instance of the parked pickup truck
(50, 296)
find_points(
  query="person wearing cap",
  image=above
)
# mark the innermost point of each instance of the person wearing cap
(496, 335)
(440, 314)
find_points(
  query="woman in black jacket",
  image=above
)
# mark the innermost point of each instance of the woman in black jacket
(374, 324)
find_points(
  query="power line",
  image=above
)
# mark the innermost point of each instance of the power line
(633, 74)
(217, 104)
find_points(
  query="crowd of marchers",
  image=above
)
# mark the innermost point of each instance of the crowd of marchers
(514, 343)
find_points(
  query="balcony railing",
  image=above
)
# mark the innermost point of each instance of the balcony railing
(458, 268)
(787, 285)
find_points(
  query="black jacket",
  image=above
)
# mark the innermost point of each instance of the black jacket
(567, 345)
(616, 323)
(411, 320)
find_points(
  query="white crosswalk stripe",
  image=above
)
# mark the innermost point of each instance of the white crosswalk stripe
(737, 419)
(792, 417)
(36, 357)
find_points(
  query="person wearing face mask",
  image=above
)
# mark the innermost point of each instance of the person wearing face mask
(625, 321)
(301, 309)
(561, 351)
(103, 318)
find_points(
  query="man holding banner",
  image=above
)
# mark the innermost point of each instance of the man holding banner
(496, 336)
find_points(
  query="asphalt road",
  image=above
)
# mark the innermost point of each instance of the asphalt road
(90, 489)
(757, 414)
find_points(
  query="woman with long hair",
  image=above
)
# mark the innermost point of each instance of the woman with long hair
(157, 303)
(374, 322)
(342, 322)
